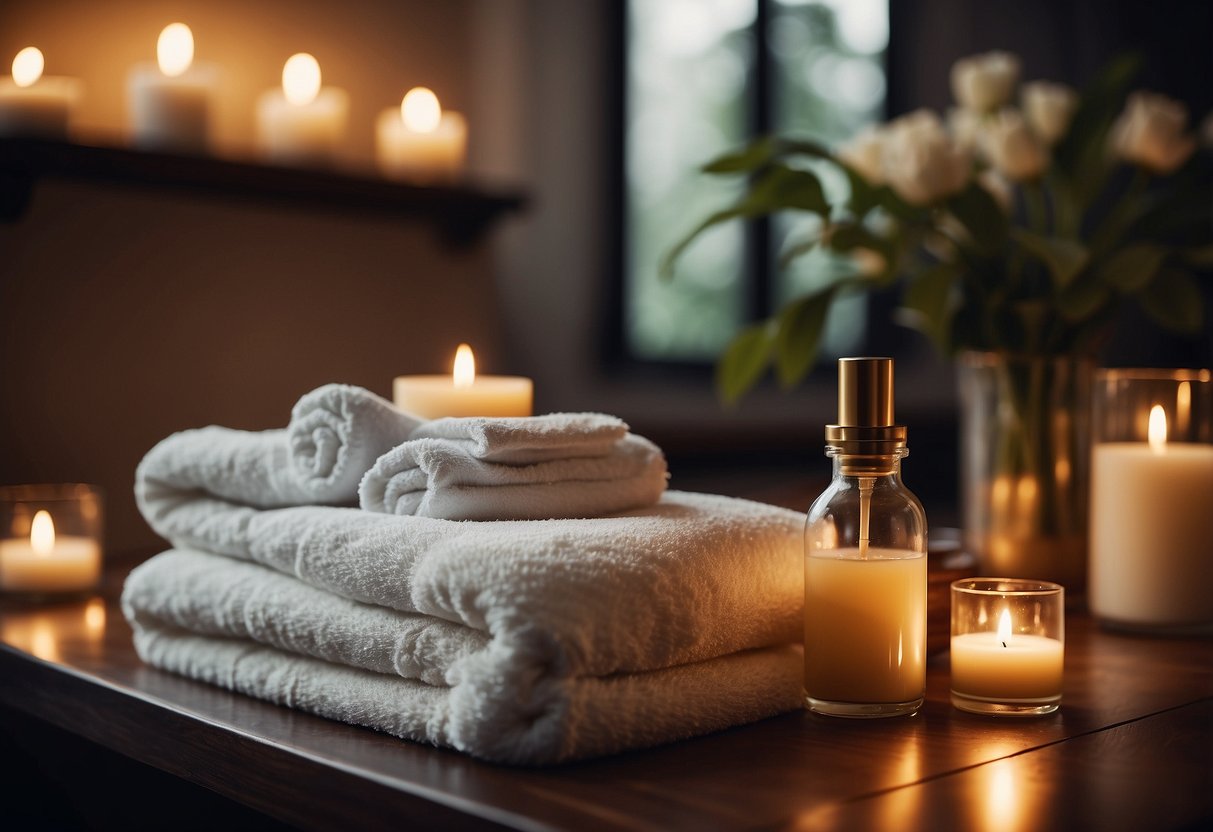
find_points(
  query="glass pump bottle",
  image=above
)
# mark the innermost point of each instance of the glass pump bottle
(865, 611)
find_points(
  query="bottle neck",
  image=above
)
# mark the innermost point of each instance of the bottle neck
(867, 465)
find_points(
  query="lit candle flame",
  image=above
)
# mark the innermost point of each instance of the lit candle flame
(465, 367)
(1157, 432)
(175, 49)
(1004, 627)
(28, 66)
(42, 533)
(420, 110)
(301, 79)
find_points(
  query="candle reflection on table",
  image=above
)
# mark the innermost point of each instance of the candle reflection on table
(43, 631)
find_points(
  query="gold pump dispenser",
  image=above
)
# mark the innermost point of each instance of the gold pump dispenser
(866, 437)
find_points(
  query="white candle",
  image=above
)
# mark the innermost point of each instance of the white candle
(171, 101)
(47, 562)
(878, 656)
(463, 393)
(33, 104)
(1007, 667)
(302, 123)
(419, 141)
(1151, 558)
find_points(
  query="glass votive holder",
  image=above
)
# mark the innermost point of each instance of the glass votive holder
(1008, 646)
(50, 539)
(1151, 500)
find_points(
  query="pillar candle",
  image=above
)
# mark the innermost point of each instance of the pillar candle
(420, 142)
(171, 102)
(302, 123)
(36, 105)
(463, 393)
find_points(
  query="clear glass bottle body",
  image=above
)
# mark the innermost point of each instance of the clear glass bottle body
(865, 592)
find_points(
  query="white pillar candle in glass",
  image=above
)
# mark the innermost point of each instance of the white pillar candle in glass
(33, 105)
(419, 141)
(1151, 560)
(463, 393)
(171, 101)
(303, 123)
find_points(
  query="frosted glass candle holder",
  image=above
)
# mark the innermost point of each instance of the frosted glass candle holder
(50, 539)
(1151, 565)
(1008, 646)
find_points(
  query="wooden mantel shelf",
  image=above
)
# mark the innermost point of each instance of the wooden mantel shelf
(1131, 748)
(461, 212)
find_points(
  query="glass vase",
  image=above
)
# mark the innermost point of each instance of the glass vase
(1024, 457)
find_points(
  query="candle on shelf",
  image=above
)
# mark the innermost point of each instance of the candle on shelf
(1150, 565)
(49, 538)
(36, 105)
(1008, 646)
(171, 101)
(463, 393)
(419, 141)
(303, 123)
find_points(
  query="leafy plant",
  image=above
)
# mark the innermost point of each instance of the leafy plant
(1020, 232)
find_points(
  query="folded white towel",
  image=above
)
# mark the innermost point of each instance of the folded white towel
(469, 479)
(694, 577)
(505, 698)
(335, 434)
(611, 714)
(529, 439)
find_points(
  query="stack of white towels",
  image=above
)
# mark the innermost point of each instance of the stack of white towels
(524, 590)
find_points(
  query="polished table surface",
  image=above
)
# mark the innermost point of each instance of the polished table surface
(1131, 748)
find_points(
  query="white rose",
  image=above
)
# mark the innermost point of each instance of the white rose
(985, 82)
(965, 126)
(1049, 108)
(922, 163)
(1012, 148)
(1150, 133)
(864, 154)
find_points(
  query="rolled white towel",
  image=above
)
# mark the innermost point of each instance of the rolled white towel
(335, 434)
(469, 479)
(528, 439)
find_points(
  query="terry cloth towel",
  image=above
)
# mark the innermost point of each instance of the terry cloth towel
(561, 607)
(335, 434)
(252, 630)
(455, 480)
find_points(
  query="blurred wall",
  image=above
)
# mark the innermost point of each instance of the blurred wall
(127, 314)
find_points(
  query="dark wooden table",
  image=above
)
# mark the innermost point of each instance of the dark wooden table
(1131, 748)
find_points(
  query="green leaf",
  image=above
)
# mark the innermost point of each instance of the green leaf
(1082, 150)
(798, 337)
(927, 304)
(670, 260)
(978, 211)
(1064, 258)
(1083, 298)
(1131, 268)
(749, 158)
(743, 362)
(1173, 299)
(797, 250)
(785, 188)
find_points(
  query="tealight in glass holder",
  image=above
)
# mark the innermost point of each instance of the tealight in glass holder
(50, 539)
(1008, 646)
(1151, 500)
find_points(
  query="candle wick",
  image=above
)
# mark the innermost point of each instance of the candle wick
(1004, 644)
